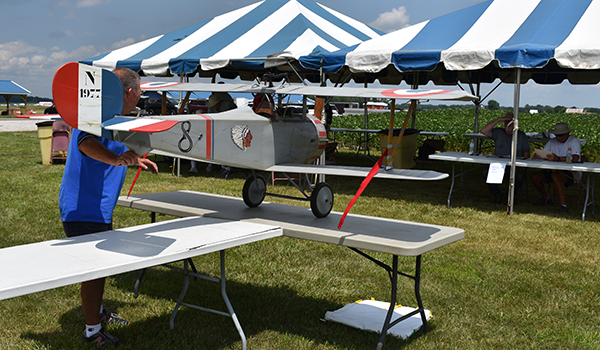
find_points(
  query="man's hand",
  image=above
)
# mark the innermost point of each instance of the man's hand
(146, 164)
(93, 148)
(130, 158)
(553, 157)
(126, 159)
(487, 129)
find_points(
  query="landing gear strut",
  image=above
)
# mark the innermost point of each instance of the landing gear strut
(321, 197)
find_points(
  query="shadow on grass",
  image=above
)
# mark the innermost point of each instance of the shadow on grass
(267, 315)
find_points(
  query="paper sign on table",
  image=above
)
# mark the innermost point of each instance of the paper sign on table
(496, 173)
(543, 154)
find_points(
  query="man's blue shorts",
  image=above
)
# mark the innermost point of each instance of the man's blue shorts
(79, 228)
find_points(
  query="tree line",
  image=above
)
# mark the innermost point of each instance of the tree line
(30, 99)
(495, 106)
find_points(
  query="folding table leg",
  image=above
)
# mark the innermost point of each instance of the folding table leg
(393, 274)
(138, 281)
(588, 201)
(420, 310)
(232, 314)
(451, 184)
(388, 317)
(186, 283)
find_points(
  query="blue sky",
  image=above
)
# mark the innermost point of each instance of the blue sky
(40, 36)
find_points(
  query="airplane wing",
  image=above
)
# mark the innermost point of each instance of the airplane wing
(406, 94)
(397, 174)
(235, 88)
(40, 116)
(146, 124)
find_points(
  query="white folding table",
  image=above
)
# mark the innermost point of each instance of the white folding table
(462, 158)
(45, 265)
(395, 237)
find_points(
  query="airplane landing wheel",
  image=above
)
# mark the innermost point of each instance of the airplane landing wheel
(254, 190)
(321, 200)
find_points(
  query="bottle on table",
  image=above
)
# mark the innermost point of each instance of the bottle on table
(569, 157)
(472, 147)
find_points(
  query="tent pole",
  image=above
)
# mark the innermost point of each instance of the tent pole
(298, 74)
(415, 85)
(477, 108)
(366, 112)
(513, 153)
(319, 114)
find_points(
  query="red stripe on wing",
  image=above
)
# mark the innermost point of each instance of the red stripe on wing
(157, 127)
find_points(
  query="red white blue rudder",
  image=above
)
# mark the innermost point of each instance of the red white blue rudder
(86, 96)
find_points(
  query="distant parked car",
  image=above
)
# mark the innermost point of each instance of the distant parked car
(154, 107)
(334, 110)
(197, 106)
(50, 110)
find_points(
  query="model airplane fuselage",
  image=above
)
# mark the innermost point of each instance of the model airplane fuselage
(238, 137)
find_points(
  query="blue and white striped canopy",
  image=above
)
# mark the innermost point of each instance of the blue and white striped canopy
(491, 36)
(274, 28)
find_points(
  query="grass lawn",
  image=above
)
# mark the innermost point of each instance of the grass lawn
(526, 281)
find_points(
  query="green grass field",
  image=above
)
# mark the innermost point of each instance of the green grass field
(526, 281)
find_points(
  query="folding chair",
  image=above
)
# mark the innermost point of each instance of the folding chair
(430, 146)
(579, 188)
(329, 153)
(61, 134)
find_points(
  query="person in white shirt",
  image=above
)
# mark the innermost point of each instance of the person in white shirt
(561, 178)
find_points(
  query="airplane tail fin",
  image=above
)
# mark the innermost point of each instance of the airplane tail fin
(87, 96)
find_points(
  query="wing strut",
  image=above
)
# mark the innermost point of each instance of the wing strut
(362, 187)
(390, 159)
(135, 178)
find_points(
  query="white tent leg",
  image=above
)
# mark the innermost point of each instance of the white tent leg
(513, 153)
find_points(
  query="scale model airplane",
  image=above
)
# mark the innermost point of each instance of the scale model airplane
(90, 99)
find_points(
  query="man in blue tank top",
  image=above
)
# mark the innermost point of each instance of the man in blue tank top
(94, 174)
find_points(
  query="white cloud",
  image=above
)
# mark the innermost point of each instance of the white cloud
(391, 21)
(90, 3)
(18, 54)
(122, 43)
(34, 67)
(59, 56)
(84, 52)
(15, 54)
(38, 60)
